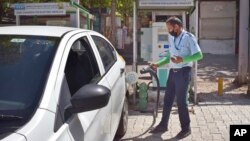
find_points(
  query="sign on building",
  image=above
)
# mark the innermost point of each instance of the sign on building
(40, 8)
(158, 4)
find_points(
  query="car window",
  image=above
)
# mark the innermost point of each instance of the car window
(25, 62)
(106, 52)
(81, 67)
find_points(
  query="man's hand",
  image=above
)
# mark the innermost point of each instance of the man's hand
(176, 59)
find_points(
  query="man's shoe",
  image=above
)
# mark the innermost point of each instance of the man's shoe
(159, 129)
(183, 133)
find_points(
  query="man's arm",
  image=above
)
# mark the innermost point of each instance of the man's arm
(195, 57)
(163, 61)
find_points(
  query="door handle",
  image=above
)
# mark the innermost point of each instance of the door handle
(122, 70)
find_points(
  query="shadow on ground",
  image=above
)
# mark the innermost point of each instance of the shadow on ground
(210, 99)
(213, 66)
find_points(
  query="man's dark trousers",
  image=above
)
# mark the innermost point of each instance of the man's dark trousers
(177, 85)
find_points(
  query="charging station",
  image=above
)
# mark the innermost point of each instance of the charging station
(154, 37)
(159, 46)
(160, 49)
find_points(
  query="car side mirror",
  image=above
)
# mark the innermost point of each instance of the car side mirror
(90, 97)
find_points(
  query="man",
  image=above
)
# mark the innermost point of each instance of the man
(183, 51)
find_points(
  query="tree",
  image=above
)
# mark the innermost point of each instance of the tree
(125, 7)
(1, 11)
(96, 3)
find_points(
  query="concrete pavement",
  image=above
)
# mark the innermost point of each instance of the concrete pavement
(210, 121)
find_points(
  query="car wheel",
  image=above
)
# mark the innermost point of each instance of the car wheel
(122, 128)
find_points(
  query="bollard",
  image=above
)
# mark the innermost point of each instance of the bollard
(143, 96)
(220, 86)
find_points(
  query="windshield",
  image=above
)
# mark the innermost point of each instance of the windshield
(24, 65)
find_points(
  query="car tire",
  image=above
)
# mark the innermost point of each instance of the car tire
(122, 128)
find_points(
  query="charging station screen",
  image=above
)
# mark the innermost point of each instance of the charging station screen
(162, 37)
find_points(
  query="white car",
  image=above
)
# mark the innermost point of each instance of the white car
(60, 84)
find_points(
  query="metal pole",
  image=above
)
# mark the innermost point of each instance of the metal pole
(113, 23)
(184, 20)
(134, 46)
(248, 90)
(134, 37)
(195, 63)
(88, 22)
(77, 15)
(243, 42)
(17, 20)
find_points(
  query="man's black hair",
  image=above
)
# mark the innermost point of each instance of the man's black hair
(174, 20)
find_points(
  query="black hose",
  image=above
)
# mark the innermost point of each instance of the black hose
(155, 112)
(153, 74)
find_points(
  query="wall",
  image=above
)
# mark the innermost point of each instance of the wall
(217, 27)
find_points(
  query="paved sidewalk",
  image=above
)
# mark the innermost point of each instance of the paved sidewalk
(212, 116)
(210, 121)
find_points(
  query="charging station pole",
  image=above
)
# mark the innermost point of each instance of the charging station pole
(134, 47)
(195, 63)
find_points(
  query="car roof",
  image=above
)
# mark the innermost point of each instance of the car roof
(52, 31)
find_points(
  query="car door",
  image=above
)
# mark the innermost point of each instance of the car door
(80, 66)
(114, 73)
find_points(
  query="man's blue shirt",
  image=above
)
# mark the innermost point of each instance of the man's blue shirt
(183, 45)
